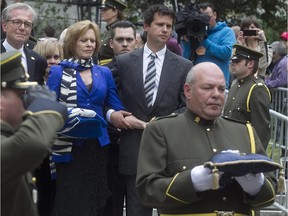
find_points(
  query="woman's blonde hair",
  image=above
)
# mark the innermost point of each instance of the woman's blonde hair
(47, 47)
(74, 32)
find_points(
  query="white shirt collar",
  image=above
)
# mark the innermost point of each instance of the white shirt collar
(160, 54)
(8, 48)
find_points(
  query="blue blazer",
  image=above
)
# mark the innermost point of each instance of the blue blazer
(102, 94)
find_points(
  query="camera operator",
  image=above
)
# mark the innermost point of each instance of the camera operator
(256, 41)
(217, 46)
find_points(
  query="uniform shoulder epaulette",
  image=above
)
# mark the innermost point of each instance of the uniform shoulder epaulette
(234, 120)
(258, 81)
(172, 115)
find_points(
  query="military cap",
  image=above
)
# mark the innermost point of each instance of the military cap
(243, 52)
(115, 4)
(12, 71)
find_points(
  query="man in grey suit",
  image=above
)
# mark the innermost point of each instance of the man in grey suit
(17, 22)
(167, 96)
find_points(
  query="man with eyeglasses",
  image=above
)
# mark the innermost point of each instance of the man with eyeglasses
(17, 22)
(248, 98)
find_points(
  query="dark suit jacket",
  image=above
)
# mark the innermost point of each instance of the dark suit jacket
(128, 73)
(36, 64)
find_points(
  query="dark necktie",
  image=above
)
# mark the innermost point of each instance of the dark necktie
(150, 80)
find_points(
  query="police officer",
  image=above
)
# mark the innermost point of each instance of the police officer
(111, 12)
(173, 149)
(30, 117)
(248, 98)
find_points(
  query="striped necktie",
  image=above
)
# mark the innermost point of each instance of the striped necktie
(150, 80)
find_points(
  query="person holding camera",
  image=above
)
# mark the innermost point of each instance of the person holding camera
(24, 143)
(253, 36)
(217, 46)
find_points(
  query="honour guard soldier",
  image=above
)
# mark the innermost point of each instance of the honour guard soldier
(111, 12)
(24, 143)
(248, 98)
(171, 175)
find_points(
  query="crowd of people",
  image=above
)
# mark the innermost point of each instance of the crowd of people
(91, 124)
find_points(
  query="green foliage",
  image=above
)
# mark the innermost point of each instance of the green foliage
(50, 14)
(272, 14)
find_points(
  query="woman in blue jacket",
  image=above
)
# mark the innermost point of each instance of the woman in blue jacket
(80, 150)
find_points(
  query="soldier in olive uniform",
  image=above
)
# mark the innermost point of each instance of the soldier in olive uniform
(24, 143)
(111, 12)
(173, 149)
(249, 98)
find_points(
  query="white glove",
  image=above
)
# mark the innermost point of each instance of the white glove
(251, 183)
(231, 151)
(74, 112)
(202, 178)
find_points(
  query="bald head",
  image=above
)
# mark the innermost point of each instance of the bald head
(203, 70)
(204, 90)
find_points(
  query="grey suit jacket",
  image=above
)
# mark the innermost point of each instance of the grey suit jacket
(128, 74)
(36, 64)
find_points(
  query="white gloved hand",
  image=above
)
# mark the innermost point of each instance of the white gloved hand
(231, 151)
(251, 183)
(202, 178)
(74, 112)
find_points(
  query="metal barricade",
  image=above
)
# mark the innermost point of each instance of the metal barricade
(279, 100)
(278, 151)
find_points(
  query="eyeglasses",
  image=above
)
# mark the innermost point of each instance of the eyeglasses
(17, 23)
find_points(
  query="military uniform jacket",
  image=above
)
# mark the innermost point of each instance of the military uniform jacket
(172, 146)
(249, 100)
(106, 52)
(21, 152)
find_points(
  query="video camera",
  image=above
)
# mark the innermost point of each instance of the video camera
(192, 23)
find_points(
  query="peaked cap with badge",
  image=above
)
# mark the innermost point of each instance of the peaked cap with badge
(12, 71)
(243, 52)
(115, 4)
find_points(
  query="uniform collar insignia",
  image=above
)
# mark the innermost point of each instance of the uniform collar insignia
(198, 120)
